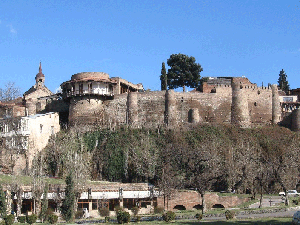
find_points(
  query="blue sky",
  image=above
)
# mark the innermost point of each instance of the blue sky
(130, 39)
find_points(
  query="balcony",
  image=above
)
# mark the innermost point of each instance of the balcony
(88, 92)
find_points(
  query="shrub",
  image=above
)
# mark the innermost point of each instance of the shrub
(79, 214)
(104, 212)
(22, 219)
(138, 219)
(135, 210)
(168, 216)
(52, 218)
(118, 208)
(31, 219)
(9, 219)
(295, 201)
(107, 219)
(123, 217)
(229, 214)
(199, 216)
(158, 210)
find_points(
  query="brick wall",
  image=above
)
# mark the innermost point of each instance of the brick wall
(192, 199)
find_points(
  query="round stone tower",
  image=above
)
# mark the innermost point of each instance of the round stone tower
(239, 108)
(295, 120)
(170, 108)
(86, 105)
(132, 108)
(276, 109)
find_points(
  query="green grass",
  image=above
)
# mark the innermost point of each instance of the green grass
(263, 221)
(26, 180)
(232, 194)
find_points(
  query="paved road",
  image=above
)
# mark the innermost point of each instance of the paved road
(267, 202)
(289, 213)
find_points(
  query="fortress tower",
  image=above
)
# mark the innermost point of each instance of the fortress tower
(239, 108)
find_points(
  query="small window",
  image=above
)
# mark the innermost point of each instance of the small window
(52, 129)
(41, 128)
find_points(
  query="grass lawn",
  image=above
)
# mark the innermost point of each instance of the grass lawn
(263, 221)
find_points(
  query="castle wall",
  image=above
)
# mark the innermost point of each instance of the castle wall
(240, 104)
(259, 104)
(115, 112)
(85, 110)
(211, 107)
(151, 108)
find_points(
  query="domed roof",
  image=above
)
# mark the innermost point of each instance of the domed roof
(40, 73)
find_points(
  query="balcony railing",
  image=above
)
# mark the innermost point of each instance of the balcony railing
(89, 92)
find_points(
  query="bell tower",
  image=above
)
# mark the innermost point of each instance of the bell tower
(40, 77)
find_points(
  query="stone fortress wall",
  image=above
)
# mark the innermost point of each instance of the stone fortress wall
(93, 98)
(240, 102)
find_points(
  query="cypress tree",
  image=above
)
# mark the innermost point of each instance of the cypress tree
(163, 77)
(43, 214)
(68, 204)
(2, 203)
(283, 84)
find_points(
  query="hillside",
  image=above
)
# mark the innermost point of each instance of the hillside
(206, 157)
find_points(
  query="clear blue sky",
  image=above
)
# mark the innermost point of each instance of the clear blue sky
(131, 38)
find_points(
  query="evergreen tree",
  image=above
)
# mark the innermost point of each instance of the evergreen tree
(163, 77)
(2, 203)
(184, 71)
(283, 84)
(68, 204)
(43, 214)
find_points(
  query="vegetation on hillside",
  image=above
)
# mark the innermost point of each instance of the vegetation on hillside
(221, 158)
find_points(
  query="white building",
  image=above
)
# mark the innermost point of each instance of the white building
(23, 137)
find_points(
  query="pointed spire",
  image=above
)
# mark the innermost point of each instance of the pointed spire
(40, 68)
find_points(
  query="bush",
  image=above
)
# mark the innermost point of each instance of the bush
(52, 218)
(107, 219)
(168, 216)
(135, 210)
(158, 210)
(31, 219)
(9, 219)
(79, 214)
(104, 212)
(199, 216)
(229, 214)
(295, 201)
(138, 219)
(123, 217)
(118, 208)
(22, 219)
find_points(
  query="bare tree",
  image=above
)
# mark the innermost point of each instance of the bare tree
(9, 92)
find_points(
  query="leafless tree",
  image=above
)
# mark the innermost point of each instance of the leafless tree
(9, 92)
